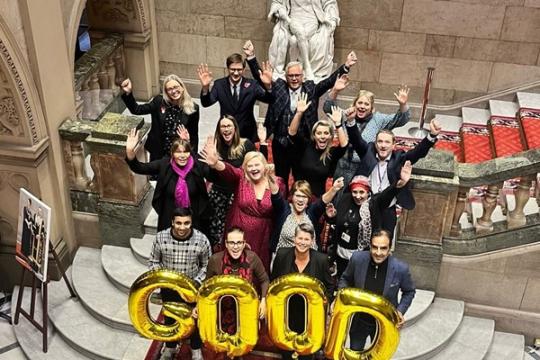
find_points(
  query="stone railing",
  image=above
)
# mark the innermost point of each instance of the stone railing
(97, 75)
(113, 192)
(441, 187)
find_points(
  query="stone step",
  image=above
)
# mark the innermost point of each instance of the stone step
(470, 342)
(506, 346)
(85, 333)
(427, 336)
(475, 116)
(7, 335)
(150, 223)
(141, 247)
(528, 100)
(92, 285)
(503, 108)
(421, 303)
(29, 337)
(449, 123)
(121, 267)
(15, 353)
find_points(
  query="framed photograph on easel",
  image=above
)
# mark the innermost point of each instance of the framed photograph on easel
(33, 234)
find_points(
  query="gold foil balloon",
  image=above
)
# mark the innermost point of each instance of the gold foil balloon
(140, 293)
(247, 315)
(350, 301)
(280, 290)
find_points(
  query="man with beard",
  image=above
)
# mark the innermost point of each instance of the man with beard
(186, 250)
(382, 274)
(382, 164)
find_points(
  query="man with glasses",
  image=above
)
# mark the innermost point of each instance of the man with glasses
(284, 99)
(186, 250)
(236, 94)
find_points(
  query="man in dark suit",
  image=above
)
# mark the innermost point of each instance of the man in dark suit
(284, 98)
(303, 259)
(383, 274)
(236, 94)
(382, 164)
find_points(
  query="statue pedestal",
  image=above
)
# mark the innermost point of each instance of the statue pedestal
(124, 198)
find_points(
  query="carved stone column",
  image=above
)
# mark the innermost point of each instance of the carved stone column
(489, 203)
(138, 63)
(124, 197)
(516, 217)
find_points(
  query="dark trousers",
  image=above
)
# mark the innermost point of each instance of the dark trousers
(389, 220)
(296, 323)
(170, 295)
(282, 160)
(341, 264)
(362, 326)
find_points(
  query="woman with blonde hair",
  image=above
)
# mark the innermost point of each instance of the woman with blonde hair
(170, 110)
(252, 205)
(316, 159)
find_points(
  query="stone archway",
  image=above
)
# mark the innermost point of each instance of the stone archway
(132, 19)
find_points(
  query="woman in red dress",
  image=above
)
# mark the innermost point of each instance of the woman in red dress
(252, 206)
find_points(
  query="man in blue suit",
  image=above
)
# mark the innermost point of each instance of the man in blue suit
(383, 274)
(235, 93)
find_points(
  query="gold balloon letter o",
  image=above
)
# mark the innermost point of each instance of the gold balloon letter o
(246, 335)
(139, 294)
(350, 301)
(280, 290)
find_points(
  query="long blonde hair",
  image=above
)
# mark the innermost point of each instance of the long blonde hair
(238, 144)
(326, 153)
(187, 105)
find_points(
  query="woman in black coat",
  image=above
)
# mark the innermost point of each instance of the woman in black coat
(180, 182)
(170, 110)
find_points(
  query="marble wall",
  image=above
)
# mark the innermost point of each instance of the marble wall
(477, 46)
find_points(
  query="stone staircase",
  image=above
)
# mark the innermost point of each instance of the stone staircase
(97, 325)
(505, 128)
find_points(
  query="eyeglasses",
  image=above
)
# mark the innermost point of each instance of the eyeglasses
(236, 70)
(295, 75)
(235, 244)
(176, 87)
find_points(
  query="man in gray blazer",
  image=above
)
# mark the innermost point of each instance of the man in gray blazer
(379, 272)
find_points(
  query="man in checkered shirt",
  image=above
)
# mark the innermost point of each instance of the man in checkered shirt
(186, 250)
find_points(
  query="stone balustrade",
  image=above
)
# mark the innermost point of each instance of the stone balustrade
(97, 76)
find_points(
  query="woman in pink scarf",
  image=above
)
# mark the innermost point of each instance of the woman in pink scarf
(180, 182)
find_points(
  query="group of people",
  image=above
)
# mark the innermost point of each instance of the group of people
(249, 213)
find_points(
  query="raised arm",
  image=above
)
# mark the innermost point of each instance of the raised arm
(208, 97)
(421, 150)
(336, 117)
(132, 143)
(193, 128)
(328, 196)
(329, 82)
(301, 106)
(131, 104)
(359, 145)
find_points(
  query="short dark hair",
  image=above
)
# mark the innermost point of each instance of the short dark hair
(235, 229)
(305, 227)
(381, 232)
(235, 58)
(388, 132)
(181, 211)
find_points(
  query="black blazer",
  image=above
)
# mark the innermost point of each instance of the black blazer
(318, 267)
(157, 108)
(281, 101)
(249, 92)
(368, 155)
(164, 201)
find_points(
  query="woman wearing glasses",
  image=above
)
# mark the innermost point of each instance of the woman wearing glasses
(300, 210)
(170, 110)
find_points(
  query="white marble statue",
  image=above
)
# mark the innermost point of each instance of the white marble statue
(305, 30)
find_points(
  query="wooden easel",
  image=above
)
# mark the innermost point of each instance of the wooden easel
(43, 328)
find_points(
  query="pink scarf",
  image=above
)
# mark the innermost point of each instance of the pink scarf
(181, 193)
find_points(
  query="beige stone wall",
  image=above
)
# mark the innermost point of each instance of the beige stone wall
(476, 46)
